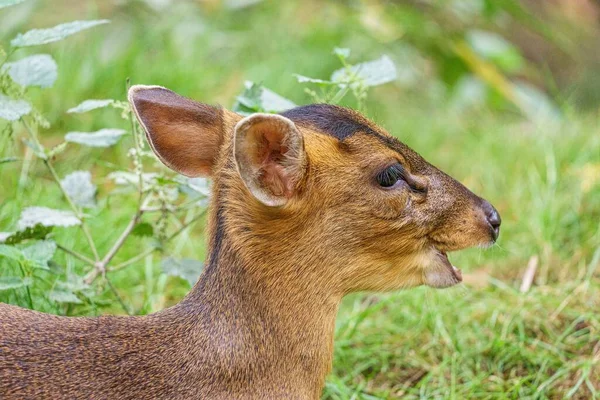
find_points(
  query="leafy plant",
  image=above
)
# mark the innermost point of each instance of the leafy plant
(31, 245)
(353, 79)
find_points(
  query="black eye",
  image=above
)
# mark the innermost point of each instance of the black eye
(391, 175)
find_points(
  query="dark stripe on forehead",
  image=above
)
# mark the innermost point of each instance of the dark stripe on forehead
(332, 120)
(342, 123)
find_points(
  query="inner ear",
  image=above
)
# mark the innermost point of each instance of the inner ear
(270, 157)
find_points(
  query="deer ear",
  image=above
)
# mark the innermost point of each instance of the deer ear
(270, 157)
(185, 135)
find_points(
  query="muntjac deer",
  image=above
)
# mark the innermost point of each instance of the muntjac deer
(307, 206)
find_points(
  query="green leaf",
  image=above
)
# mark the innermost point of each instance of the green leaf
(14, 282)
(370, 73)
(11, 252)
(56, 150)
(185, 268)
(341, 52)
(11, 109)
(195, 187)
(36, 37)
(251, 96)
(306, 79)
(40, 253)
(38, 231)
(143, 229)
(8, 3)
(128, 178)
(73, 284)
(55, 268)
(63, 296)
(8, 160)
(37, 70)
(256, 98)
(78, 185)
(89, 105)
(272, 102)
(32, 216)
(101, 138)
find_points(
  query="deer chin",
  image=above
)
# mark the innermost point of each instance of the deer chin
(441, 273)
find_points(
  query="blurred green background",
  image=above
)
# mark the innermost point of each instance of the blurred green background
(503, 95)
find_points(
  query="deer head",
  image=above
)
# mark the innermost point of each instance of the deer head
(320, 190)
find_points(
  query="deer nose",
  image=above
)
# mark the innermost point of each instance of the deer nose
(493, 218)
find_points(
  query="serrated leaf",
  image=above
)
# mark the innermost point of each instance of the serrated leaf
(89, 105)
(80, 188)
(73, 284)
(129, 178)
(55, 267)
(258, 98)
(11, 109)
(8, 160)
(36, 37)
(56, 150)
(101, 138)
(37, 70)
(370, 73)
(306, 79)
(11, 252)
(38, 231)
(185, 268)
(143, 229)
(196, 188)
(272, 102)
(63, 296)
(40, 253)
(251, 96)
(8, 3)
(32, 216)
(14, 282)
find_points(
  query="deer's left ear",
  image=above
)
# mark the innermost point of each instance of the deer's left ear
(270, 157)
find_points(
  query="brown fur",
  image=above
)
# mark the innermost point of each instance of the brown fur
(297, 221)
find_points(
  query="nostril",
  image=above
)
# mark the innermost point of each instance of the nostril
(494, 220)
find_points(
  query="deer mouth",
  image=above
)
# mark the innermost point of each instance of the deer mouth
(441, 273)
(456, 272)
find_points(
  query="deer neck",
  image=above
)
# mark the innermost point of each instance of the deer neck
(271, 319)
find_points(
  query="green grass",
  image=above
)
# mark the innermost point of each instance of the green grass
(484, 339)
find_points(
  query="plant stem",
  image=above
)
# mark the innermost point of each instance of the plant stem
(139, 167)
(8, 54)
(75, 209)
(134, 259)
(185, 225)
(154, 248)
(81, 257)
(100, 267)
(119, 299)
(26, 287)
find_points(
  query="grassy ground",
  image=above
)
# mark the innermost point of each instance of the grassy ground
(483, 339)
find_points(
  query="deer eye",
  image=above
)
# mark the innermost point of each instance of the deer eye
(391, 176)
